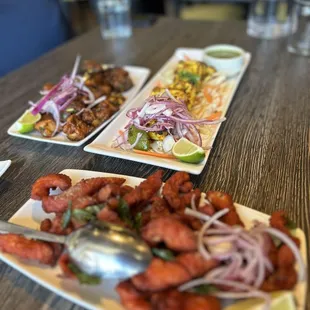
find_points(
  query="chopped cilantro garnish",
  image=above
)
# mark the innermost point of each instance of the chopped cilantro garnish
(83, 277)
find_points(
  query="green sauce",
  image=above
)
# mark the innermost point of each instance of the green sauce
(223, 54)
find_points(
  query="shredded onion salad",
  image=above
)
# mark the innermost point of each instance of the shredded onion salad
(56, 100)
(244, 263)
(163, 113)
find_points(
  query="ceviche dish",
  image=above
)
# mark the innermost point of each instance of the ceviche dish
(78, 103)
(180, 117)
(203, 255)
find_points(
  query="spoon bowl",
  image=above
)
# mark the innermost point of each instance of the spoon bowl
(109, 251)
(98, 248)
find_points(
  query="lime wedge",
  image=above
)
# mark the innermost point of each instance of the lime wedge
(188, 152)
(27, 121)
(282, 300)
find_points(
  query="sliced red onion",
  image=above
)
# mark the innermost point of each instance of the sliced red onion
(75, 68)
(193, 204)
(51, 107)
(31, 103)
(245, 260)
(201, 247)
(91, 96)
(197, 121)
(204, 217)
(171, 96)
(154, 109)
(139, 135)
(42, 101)
(97, 101)
(168, 114)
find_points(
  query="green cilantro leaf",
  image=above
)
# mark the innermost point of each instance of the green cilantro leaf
(83, 277)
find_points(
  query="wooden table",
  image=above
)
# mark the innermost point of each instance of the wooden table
(261, 154)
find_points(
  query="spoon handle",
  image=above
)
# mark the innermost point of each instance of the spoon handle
(6, 227)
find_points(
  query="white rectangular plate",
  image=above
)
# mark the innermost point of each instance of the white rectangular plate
(104, 295)
(102, 144)
(4, 165)
(138, 75)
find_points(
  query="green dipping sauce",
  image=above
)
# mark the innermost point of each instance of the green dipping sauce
(224, 54)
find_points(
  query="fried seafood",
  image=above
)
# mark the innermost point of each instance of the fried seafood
(110, 216)
(161, 275)
(131, 298)
(63, 262)
(55, 226)
(42, 186)
(198, 242)
(280, 221)
(195, 264)
(145, 190)
(159, 208)
(187, 81)
(175, 300)
(284, 278)
(173, 233)
(88, 187)
(177, 191)
(222, 201)
(22, 247)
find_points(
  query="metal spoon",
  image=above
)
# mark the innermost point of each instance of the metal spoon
(99, 249)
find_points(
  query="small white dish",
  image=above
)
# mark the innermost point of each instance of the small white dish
(4, 165)
(225, 58)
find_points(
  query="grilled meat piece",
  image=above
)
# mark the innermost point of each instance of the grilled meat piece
(46, 125)
(104, 110)
(119, 79)
(76, 129)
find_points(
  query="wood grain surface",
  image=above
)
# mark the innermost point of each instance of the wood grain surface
(261, 154)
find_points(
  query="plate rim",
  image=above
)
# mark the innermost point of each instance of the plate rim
(7, 164)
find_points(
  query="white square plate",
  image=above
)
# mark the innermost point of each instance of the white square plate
(4, 165)
(102, 144)
(138, 75)
(104, 295)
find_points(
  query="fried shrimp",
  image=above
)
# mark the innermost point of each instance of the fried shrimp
(110, 216)
(42, 186)
(88, 187)
(175, 300)
(195, 264)
(159, 208)
(284, 278)
(178, 191)
(176, 235)
(280, 221)
(34, 250)
(222, 201)
(131, 298)
(145, 190)
(161, 275)
(54, 226)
